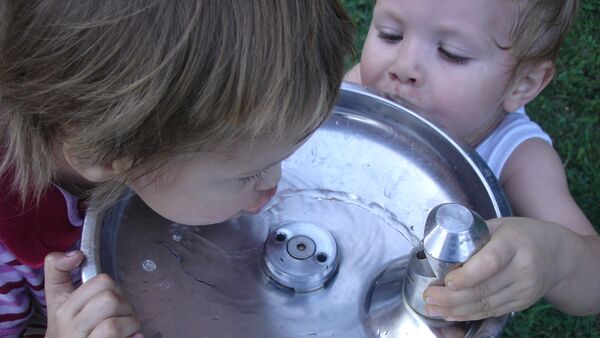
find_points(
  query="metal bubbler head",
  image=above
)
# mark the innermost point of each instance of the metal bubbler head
(453, 233)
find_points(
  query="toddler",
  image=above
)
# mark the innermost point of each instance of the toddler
(470, 66)
(191, 104)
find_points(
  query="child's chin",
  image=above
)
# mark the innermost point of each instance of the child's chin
(202, 221)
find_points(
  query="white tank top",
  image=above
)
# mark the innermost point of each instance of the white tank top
(514, 129)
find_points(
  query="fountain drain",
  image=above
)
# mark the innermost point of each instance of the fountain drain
(300, 256)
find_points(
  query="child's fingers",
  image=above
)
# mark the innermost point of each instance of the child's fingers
(118, 327)
(444, 297)
(501, 310)
(486, 263)
(102, 307)
(495, 223)
(494, 305)
(496, 296)
(57, 276)
(90, 289)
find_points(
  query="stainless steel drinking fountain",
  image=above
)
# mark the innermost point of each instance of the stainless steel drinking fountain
(375, 187)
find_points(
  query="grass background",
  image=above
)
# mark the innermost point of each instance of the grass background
(568, 110)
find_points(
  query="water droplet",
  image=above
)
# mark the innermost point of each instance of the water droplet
(149, 265)
(176, 235)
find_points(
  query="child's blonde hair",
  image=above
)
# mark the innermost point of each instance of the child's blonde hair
(151, 81)
(539, 28)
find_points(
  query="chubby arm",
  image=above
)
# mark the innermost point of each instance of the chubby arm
(552, 251)
(536, 186)
(578, 291)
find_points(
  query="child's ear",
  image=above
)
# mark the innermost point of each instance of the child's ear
(96, 173)
(530, 82)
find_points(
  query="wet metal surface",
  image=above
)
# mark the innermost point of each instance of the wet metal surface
(368, 178)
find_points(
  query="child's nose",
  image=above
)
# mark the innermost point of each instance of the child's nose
(269, 179)
(408, 65)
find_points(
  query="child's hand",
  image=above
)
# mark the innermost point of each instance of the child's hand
(512, 271)
(95, 309)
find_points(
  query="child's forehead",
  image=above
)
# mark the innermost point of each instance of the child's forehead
(493, 18)
(242, 160)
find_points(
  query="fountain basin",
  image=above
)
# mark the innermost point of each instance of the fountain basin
(368, 177)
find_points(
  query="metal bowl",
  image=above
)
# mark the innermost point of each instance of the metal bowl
(328, 256)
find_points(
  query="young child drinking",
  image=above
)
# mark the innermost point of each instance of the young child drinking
(471, 66)
(192, 104)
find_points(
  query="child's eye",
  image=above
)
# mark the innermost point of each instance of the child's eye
(250, 179)
(453, 57)
(388, 37)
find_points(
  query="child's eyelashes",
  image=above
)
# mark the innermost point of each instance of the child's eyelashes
(253, 178)
(447, 55)
(390, 37)
(453, 57)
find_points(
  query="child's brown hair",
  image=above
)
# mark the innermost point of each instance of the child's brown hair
(151, 80)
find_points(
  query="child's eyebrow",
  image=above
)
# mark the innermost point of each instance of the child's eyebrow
(462, 37)
(466, 37)
(487, 38)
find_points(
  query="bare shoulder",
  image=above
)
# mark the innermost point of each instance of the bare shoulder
(535, 183)
(353, 75)
(534, 157)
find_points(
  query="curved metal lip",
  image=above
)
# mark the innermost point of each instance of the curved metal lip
(90, 247)
(485, 174)
(91, 240)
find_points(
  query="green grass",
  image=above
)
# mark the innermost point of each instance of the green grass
(568, 110)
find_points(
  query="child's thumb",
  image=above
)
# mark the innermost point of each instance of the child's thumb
(57, 275)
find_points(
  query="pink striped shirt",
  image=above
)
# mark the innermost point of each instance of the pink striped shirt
(22, 299)
(21, 292)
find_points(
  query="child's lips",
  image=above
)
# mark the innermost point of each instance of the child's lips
(405, 102)
(262, 202)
